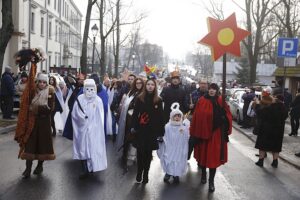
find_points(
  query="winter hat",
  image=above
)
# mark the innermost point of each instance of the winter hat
(96, 78)
(7, 69)
(175, 111)
(24, 75)
(43, 77)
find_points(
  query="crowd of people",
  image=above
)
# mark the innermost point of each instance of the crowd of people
(140, 115)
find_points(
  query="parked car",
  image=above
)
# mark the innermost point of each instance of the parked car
(236, 104)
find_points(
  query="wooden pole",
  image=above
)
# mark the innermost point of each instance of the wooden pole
(224, 81)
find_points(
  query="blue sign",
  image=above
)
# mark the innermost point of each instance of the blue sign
(287, 47)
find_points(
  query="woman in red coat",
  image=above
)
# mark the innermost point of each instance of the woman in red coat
(210, 127)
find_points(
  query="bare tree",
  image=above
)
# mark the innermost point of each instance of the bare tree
(83, 58)
(7, 28)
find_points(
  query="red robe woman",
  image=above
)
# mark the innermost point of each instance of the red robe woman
(210, 127)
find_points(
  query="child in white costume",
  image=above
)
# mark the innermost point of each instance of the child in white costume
(173, 151)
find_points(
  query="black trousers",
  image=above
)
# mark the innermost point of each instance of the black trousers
(7, 106)
(53, 122)
(295, 124)
(144, 158)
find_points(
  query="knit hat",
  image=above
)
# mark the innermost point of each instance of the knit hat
(24, 75)
(43, 77)
(7, 69)
(175, 111)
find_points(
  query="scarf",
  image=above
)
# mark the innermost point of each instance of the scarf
(40, 99)
(217, 112)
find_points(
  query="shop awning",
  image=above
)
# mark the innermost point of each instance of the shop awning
(290, 71)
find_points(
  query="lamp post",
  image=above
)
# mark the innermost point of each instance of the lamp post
(94, 32)
(133, 57)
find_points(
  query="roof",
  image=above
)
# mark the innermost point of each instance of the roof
(290, 71)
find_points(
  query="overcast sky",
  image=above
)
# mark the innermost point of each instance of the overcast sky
(176, 25)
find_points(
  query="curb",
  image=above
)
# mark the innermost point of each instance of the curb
(8, 129)
(281, 155)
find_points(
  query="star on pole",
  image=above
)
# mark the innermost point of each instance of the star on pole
(224, 37)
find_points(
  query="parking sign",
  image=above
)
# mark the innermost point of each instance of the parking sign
(287, 47)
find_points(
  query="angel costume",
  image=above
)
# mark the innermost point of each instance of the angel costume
(173, 150)
(88, 126)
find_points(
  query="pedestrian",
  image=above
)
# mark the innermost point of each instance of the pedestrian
(59, 103)
(114, 107)
(124, 137)
(248, 96)
(89, 138)
(295, 114)
(271, 115)
(22, 84)
(147, 126)
(7, 93)
(173, 150)
(173, 93)
(39, 145)
(211, 125)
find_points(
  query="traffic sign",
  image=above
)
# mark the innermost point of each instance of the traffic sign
(287, 47)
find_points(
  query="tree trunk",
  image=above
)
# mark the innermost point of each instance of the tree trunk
(117, 53)
(7, 28)
(83, 58)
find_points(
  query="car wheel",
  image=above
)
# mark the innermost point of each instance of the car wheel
(238, 118)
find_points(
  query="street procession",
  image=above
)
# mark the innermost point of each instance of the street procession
(95, 107)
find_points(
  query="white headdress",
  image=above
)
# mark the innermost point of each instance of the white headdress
(89, 88)
(43, 77)
(175, 111)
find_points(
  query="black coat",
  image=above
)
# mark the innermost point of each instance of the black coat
(7, 84)
(170, 95)
(271, 120)
(147, 120)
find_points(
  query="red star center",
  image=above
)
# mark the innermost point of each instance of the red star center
(224, 37)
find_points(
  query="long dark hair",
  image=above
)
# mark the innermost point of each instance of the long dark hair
(142, 96)
(54, 81)
(134, 89)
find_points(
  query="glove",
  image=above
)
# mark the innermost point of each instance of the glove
(160, 139)
(133, 131)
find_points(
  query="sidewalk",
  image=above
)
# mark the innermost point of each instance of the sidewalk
(290, 145)
(8, 125)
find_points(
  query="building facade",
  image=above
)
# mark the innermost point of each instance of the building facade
(54, 25)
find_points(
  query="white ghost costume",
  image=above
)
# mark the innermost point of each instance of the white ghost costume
(88, 126)
(173, 151)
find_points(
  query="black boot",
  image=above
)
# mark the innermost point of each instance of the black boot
(114, 137)
(39, 168)
(211, 181)
(27, 172)
(260, 162)
(139, 176)
(176, 179)
(203, 176)
(85, 172)
(54, 132)
(167, 178)
(275, 163)
(145, 176)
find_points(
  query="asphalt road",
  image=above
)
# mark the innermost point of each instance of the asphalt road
(239, 179)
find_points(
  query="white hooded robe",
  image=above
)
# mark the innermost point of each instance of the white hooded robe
(173, 151)
(89, 137)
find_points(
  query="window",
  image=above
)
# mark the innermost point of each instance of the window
(49, 58)
(42, 26)
(50, 29)
(59, 4)
(49, 2)
(32, 22)
(56, 33)
(54, 4)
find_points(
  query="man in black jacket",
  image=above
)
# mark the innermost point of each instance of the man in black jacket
(171, 94)
(7, 93)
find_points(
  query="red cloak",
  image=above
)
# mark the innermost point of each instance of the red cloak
(208, 151)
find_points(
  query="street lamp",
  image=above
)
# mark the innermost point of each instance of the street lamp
(133, 57)
(94, 32)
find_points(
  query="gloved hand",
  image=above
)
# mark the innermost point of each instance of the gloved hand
(160, 139)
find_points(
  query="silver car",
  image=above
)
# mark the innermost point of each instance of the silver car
(236, 104)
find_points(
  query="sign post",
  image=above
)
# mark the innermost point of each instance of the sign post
(287, 48)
